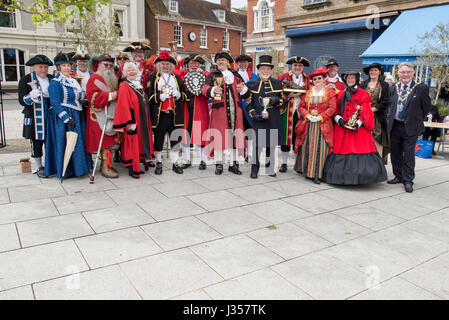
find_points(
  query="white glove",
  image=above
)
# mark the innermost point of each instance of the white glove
(313, 118)
(35, 95)
(132, 127)
(163, 97)
(176, 94)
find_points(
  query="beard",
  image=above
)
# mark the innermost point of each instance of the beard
(109, 78)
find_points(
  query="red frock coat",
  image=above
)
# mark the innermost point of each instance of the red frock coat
(97, 99)
(200, 121)
(339, 85)
(361, 141)
(326, 109)
(217, 136)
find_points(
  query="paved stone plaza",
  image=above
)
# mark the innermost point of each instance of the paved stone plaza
(201, 236)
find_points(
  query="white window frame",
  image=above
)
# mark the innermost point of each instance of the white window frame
(226, 36)
(203, 38)
(221, 15)
(173, 2)
(17, 65)
(257, 11)
(179, 45)
(124, 9)
(18, 21)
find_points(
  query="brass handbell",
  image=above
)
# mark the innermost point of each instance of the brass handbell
(352, 122)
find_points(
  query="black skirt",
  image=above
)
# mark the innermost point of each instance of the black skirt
(354, 169)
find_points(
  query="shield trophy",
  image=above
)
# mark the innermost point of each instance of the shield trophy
(195, 81)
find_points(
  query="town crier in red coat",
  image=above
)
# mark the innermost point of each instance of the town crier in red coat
(333, 80)
(289, 112)
(355, 159)
(101, 91)
(132, 117)
(195, 111)
(138, 51)
(226, 129)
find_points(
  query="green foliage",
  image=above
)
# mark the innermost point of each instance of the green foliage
(435, 53)
(58, 11)
(443, 109)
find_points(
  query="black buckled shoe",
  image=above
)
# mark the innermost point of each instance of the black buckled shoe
(396, 180)
(186, 165)
(283, 168)
(218, 169)
(158, 168)
(151, 164)
(177, 169)
(272, 174)
(235, 168)
(202, 165)
(253, 175)
(316, 180)
(408, 187)
(41, 173)
(267, 165)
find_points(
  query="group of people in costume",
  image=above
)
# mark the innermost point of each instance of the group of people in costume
(336, 126)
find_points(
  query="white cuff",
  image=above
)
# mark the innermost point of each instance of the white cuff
(110, 97)
(337, 118)
(359, 122)
(245, 89)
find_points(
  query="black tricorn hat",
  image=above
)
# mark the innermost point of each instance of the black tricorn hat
(374, 65)
(265, 61)
(136, 46)
(297, 59)
(332, 62)
(344, 75)
(39, 59)
(63, 58)
(194, 57)
(81, 54)
(243, 57)
(103, 57)
(224, 55)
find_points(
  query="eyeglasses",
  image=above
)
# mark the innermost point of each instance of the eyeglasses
(122, 58)
(406, 72)
(317, 78)
(108, 65)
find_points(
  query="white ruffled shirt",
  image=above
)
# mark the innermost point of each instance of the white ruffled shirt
(85, 78)
(73, 83)
(136, 84)
(44, 83)
(298, 79)
(244, 74)
(334, 79)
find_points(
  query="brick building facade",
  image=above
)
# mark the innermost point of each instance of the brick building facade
(197, 26)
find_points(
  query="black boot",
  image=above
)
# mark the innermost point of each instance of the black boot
(235, 168)
(218, 169)
(254, 170)
(283, 168)
(177, 169)
(158, 168)
(202, 165)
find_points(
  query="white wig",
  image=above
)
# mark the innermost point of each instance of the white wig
(128, 65)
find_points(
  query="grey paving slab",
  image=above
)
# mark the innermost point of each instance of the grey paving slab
(332, 227)
(425, 199)
(237, 255)
(277, 211)
(435, 225)
(39, 263)
(315, 203)
(215, 183)
(292, 187)
(233, 221)
(76, 185)
(399, 208)
(19, 180)
(410, 242)
(9, 159)
(218, 200)
(22, 293)
(4, 196)
(168, 175)
(121, 217)
(376, 259)
(102, 284)
(135, 195)
(180, 188)
(8, 237)
(264, 284)
(29, 210)
(36, 192)
(395, 289)
(116, 246)
(83, 202)
(323, 277)
(170, 274)
(182, 232)
(125, 181)
(257, 193)
(1, 172)
(53, 229)
(171, 208)
(369, 217)
(348, 196)
(12, 170)
(432, 276)
(194, 295)
(289, 241)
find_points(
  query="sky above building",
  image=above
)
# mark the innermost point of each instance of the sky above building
(235, 3)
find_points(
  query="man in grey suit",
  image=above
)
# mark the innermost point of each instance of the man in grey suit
(409, 104)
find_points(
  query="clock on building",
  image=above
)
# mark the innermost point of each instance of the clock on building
(192, 36)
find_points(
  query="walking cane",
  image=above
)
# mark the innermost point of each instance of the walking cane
(92, 177)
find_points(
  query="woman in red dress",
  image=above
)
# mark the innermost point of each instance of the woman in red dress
(355, 159)
(132, 116)
(314, 128)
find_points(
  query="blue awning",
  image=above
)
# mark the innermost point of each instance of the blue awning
(399, 42)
